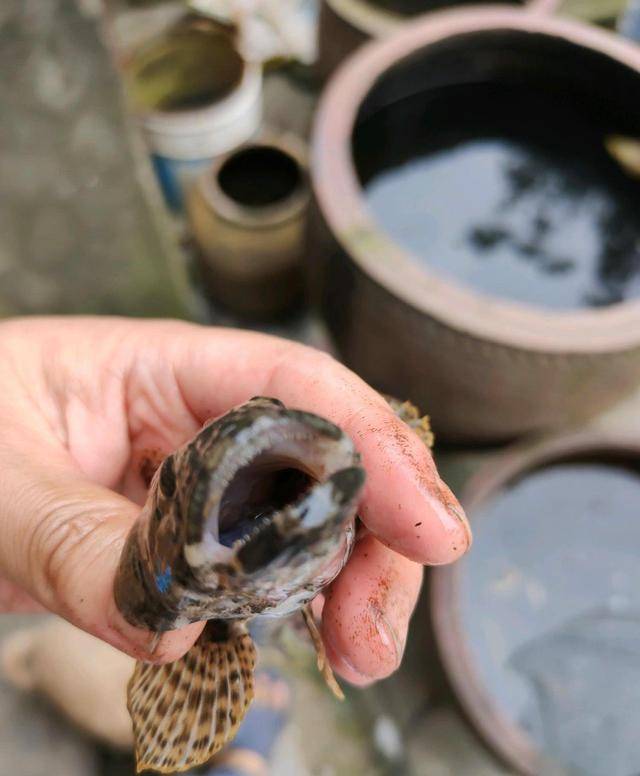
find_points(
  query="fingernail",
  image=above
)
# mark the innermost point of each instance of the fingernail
(459, 514)
(455, 511)
(339, 657)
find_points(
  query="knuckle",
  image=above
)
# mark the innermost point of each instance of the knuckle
(56, 547)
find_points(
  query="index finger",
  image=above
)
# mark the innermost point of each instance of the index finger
(406, 504)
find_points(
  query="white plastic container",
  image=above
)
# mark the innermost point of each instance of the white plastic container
(195, 98)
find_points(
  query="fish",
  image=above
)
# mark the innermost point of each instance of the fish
(251, 518)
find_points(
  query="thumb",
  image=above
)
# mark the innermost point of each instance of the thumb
(61, 537)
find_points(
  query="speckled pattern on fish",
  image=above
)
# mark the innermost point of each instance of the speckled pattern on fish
(253, 517)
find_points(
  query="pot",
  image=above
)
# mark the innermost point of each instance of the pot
(345, 25)
(552, 614)
(485, 368)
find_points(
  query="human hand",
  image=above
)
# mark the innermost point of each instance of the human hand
(86, 404)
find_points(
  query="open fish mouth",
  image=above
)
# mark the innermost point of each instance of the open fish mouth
(287, 467)
(256, 492)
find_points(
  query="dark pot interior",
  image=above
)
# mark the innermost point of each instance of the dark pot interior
(260, 176)
(485, 157)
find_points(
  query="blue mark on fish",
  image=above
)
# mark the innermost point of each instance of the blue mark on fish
(163, 580)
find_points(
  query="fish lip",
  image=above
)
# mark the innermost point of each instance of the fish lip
(348, 483)
(343, 488)
(283, 425)
(236, 458)
(281, 430)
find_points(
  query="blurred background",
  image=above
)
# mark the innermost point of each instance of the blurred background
(445, 196)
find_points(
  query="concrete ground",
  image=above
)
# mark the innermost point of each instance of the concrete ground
(78, 233)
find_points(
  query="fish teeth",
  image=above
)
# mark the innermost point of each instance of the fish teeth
(260, 523)
(237, 458)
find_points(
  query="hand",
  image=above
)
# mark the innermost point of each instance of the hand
(86, 403)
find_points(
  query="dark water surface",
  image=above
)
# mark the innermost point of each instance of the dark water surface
(550, 604)
(510, 191)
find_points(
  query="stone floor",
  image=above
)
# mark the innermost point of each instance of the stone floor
(79, 224)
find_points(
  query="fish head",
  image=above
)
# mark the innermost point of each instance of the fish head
(266, 503)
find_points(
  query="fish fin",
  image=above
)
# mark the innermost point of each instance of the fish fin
(410, 414)
(186, 711)
(323, 661)
(626, 152)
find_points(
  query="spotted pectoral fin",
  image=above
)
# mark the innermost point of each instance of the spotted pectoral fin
(410, 414)
(186, 711)
(323, 661)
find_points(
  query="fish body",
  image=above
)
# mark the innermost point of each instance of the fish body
(253, 517)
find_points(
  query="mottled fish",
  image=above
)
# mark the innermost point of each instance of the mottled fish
(253, 517)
